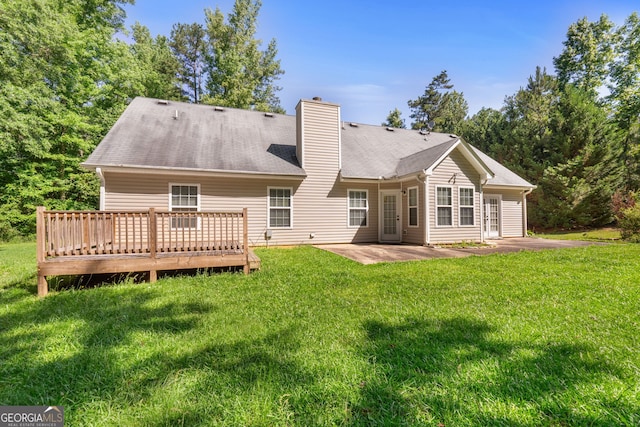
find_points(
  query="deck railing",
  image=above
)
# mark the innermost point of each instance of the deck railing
(66, 236)
(74, 233)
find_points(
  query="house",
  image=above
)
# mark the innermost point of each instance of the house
(311, 178)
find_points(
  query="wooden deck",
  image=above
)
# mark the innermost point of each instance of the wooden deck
(96, 242)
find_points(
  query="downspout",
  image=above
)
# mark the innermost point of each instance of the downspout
(380, 222)
(525, 193)
(482, 220)
(427, 212)
(102, 188)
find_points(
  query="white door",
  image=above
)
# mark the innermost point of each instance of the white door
(491, 216)
(391, 230)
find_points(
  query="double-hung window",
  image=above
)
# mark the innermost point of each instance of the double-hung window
(413, 206)
(280, 208)
(444, 206)
(358, 208)
(467, 210)
(184, 198)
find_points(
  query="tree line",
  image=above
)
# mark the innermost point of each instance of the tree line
(67, 73)
(574, 133)
(68, 69)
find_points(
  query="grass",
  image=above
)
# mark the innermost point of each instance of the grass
(524, 339)
(596, 235)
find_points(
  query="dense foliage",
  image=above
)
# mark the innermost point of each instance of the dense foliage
(575, 134)
(66, 76)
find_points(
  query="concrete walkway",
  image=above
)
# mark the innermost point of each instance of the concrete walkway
(371, 253)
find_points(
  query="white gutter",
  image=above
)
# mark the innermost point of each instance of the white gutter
(102, 188)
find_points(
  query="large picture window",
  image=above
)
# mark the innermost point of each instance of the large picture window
(280, 208)
(444, 206)
(358, 208)
(184, 198)
(413, 206)
(467, 210)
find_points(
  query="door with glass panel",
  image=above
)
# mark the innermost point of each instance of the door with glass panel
(391, 224)
(491, 216)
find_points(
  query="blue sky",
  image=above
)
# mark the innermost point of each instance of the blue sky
(371, 57)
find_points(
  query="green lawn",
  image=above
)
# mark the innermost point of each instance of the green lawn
(597, 235)
(525, 339)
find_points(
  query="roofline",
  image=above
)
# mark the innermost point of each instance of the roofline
(509, 187)
(185, 172)
(469, 154)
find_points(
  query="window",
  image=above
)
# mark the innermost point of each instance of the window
(280, 207)
(358, 208)
(184, 198)
(413, 207)
(467, 211)
(444, 206)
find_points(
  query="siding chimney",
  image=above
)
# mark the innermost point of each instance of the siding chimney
(318, 135)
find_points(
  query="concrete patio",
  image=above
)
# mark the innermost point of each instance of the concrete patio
(372, 253)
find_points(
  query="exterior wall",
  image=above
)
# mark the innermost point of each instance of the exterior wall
(512, 212)
(320, 201)
(125, 191)
(465, 176)
(410, 234)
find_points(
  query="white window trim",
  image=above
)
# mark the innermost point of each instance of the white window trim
(277, 207)
(180, 184)
(349, 208)
(473, 206)
(416, 207)
(437, 205)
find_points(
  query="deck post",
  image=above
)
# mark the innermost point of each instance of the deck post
(43, 287)
(245, 240)
(152, 240)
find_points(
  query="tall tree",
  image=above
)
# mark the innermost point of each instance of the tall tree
(587, 55)
(157, 66)
(395, 120)
(439, 109)
(485, 130)
(240, 74)
(64, 82)
(189, 47)
(625, 96)
(528, 145)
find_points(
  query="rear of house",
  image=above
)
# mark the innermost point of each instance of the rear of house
(307, 179)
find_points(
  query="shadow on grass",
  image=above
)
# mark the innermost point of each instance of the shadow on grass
(89, 281)
(115, 360)
(445, 372)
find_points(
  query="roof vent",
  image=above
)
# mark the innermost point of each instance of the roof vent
(390, 129)
(353, 125)
(218, 109)
(175, 116)
(452, 135)
(268, 115)
(317, 98)
(163, 102)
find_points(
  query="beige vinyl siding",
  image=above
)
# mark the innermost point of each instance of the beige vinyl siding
(512, 221)
(465, 176)
(414, 235)
(320, 203)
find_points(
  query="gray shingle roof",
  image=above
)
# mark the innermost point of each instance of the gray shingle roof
(148, 135)
(201, 138)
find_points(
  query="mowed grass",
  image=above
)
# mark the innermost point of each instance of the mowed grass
(524, 339)
(596, 235)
